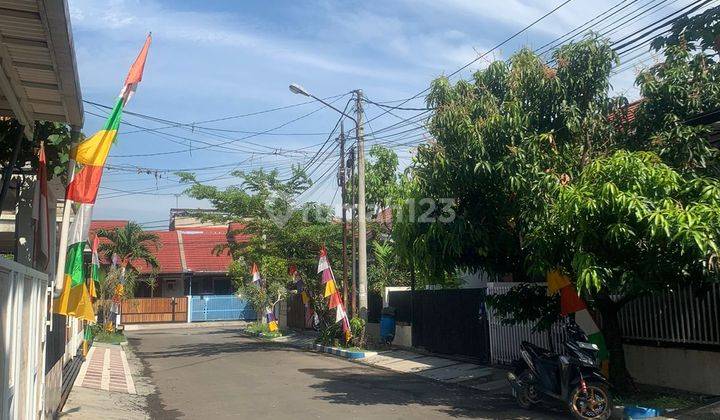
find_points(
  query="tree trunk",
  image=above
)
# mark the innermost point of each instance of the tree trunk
(612, 331)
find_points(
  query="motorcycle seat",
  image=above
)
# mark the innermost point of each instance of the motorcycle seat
(538, 351)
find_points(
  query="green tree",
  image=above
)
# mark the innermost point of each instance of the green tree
(386, 268)
(629, 226)
(533, 157)
(132, 245)
(57, 145)
(273, 288)
(281, 233)
(381, 177)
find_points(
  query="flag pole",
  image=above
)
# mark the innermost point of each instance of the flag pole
(65, 226)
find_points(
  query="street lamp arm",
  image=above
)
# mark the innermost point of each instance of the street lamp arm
(332, 107)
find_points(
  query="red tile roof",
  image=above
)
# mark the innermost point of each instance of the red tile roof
(168, 255)
(198, 244)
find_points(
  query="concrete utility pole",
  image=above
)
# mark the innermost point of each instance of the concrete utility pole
(362, 229)
(353, 216)
(341, 179)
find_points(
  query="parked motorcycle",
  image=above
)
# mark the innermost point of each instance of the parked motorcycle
(573, 378)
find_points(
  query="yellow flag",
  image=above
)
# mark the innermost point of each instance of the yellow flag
(330, 288)
(556, 281)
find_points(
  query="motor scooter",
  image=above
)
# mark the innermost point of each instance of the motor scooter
(573, 378)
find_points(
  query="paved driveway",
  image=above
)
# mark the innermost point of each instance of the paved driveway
(205, 373)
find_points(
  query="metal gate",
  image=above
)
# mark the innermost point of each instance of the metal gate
(151, 310)
(220, 308)
(450, 321)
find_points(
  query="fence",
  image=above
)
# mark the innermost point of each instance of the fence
(220, 308)
(23, 303)
(150, 310)
(685, 316)
(505, 339)
(682, 316)
(449, 321)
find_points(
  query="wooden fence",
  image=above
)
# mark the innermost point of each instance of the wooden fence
(147, 310)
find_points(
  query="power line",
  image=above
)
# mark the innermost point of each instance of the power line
(230, 141)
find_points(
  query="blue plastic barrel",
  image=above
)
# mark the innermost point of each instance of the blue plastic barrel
(387, 325)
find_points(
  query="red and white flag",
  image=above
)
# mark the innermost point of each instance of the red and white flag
(323, 263)
(255, 274)
(41, 213)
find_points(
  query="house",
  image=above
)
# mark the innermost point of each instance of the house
(38, 82)
(190, 257)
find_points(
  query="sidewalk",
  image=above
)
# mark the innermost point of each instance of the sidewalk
(105, 388)
(435, 367)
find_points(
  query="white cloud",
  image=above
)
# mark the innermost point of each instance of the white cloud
(211, 30)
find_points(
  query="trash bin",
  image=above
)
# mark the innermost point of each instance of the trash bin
(387, 325)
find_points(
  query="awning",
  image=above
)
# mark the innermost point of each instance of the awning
(38, 77)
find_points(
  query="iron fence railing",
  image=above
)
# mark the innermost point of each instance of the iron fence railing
(684, 316)
(505, 339)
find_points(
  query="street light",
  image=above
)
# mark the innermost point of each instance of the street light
(362, 228)
(299, 90)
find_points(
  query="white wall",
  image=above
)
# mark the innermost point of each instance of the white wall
(53, 386)
(403, 333)
(690, 370)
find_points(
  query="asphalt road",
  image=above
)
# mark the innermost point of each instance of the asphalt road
(205, 373)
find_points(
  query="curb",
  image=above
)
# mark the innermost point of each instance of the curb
(344, 353)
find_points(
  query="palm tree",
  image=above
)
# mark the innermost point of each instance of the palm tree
(131, 244)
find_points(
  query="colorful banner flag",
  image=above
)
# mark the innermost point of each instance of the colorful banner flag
(323, 263)
(335, 300)
(572, 303)
(82, 190)
(327, 275)
(332, 292)
(330, 288)
(272, 321)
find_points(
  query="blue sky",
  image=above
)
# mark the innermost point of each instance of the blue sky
(217, 59)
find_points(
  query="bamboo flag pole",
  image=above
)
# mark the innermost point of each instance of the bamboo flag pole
(65, 226)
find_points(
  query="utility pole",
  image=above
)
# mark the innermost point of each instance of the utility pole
(353, 191)
(362, 229)
(341, 179)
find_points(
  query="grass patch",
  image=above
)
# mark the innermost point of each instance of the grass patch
(109, 337)
(259, 327)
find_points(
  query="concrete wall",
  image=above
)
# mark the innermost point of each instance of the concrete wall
(691, 370)
(403, 333)
(53, 386)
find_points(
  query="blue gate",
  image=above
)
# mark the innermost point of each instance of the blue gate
(220, 308)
